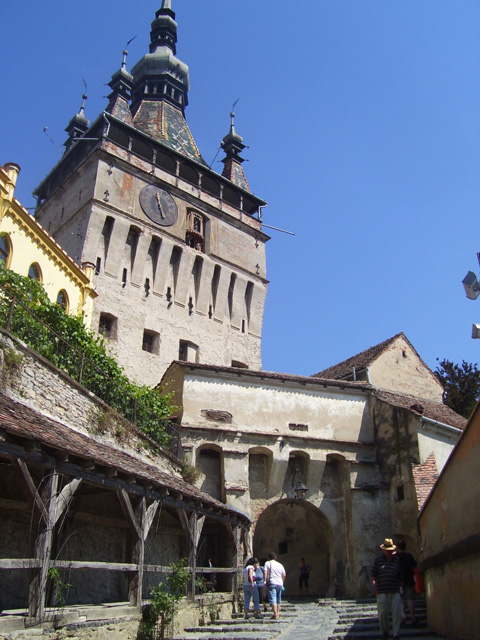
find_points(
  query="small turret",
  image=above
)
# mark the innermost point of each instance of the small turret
(119, 100)
(77, 125)
(233, 145)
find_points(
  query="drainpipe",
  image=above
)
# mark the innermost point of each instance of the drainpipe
(367, 371)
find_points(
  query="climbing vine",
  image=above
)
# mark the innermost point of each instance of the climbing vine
(161, 612)
(65, 341)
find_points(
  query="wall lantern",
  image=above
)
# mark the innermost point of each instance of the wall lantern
(300, 491)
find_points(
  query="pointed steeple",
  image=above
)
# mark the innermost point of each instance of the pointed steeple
(77, 125)
(233, 145)
(160, 75)
(160, 88)
(121, 85)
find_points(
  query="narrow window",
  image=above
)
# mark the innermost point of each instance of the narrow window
(5, 250)
(248, 299)
(98, 266)
(107, 326)
(231, 288)
(62, 300)
(215, 283)
(190, 306)
(34, 272)
(197, 274)
(151, 342)
(195, 236)
(175, 263)
(132, 242)
(400, 493)
(146, 286)
(107, 232)
(188, 352)
(124, 278)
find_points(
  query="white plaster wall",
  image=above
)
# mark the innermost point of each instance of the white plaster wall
(259, 406)
(439, 443)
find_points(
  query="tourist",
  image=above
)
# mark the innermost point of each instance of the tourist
(275, 578)
(250, 589)
(260, 580)
(409, 565)
(387, 578)
(304, 575)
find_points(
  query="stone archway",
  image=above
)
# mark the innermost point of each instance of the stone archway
(294, 529)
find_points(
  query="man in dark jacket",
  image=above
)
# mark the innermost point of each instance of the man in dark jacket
(408, 563)
(387, 578)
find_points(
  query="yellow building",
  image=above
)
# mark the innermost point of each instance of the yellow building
(27, 249)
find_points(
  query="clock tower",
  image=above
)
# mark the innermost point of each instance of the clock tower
(178, 249)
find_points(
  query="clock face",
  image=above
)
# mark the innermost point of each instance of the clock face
(158, 205)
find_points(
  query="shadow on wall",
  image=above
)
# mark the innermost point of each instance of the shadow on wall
(295, 529)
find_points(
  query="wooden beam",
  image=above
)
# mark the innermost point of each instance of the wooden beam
(37, 501)
(149, 517)
(129, 512)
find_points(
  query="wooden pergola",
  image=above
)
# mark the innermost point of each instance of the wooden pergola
(54, 463)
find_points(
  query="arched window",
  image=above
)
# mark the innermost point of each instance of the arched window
(195, 235)
(5, 250)
(34, 272)
(62, 300)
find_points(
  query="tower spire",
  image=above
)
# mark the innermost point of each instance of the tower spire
(121, 85)
(233, 145)
(77, 125)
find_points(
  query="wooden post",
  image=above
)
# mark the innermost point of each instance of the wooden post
(193, 526)
(139, 520)
(50, 507)
(43, 549)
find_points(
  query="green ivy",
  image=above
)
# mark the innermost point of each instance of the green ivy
(65, 341)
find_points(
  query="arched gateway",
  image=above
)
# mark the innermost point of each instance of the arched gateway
(294, 529)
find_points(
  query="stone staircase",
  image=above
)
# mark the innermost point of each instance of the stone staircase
(239, 628)
(358, 620)
(323, 619)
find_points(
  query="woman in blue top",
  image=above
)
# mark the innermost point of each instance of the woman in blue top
(260, 580)
(250, 588)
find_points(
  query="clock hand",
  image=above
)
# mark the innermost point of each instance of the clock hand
(159, 205)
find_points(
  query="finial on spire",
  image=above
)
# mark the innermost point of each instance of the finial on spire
(167, 4)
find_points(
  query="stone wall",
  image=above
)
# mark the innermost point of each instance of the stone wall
(35, 382)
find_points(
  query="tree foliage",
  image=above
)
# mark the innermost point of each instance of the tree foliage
(65, 341)
(461, 384)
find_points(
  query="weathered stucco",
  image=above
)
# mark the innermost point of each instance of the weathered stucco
(399, 368)
(449, 529)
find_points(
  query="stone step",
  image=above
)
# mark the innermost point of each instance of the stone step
(236, 628)
(222, 635)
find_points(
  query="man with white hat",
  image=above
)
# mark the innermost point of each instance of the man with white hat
(387, 578)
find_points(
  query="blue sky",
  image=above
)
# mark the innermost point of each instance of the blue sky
(363, 124)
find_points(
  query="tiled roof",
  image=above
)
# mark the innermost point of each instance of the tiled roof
(167, 124)
(21, 421)
(360, 361)
(433, 410)
(424, 475)
(266, 375)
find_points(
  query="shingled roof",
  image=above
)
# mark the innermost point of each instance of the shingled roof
(424, 475)
(20, 421)
(436, 411)
(360, 361)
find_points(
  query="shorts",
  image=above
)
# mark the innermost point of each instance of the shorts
(275, 594)
(409, 592)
